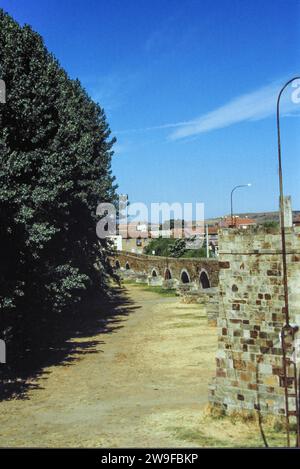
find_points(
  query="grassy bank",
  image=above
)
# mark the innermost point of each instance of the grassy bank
(166, 292)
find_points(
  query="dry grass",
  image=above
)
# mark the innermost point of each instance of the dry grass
(212, 428)
(143, 383)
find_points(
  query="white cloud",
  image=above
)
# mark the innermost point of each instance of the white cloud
(256, 105)
(150, 128)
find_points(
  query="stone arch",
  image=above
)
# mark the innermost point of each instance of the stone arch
(184, 276)
(167, 274)
(204, 279)
(117, 264)
(127, 266)
(154, 273)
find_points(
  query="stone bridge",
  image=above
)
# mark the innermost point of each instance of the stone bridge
(197, 272)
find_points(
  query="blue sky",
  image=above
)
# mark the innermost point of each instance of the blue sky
(189, 90)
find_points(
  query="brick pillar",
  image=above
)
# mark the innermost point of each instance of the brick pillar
(251, 316)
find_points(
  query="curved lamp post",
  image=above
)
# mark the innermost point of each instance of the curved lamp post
(287, 328)
(282, 221)
(231, 198)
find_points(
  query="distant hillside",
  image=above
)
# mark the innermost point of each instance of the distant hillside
(259, 217)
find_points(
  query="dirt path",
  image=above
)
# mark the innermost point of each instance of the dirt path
(144, 381)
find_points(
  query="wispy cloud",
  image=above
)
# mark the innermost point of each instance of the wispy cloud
(110, 91)
(256, 105)
(252, 106)
(150, 128)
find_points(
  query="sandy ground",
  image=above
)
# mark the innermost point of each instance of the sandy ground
(143, 384)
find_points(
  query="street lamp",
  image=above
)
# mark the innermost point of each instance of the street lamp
(282, 221)
(287, 329)
(231, 198)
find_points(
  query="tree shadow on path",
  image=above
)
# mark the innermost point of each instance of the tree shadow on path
(50, 341)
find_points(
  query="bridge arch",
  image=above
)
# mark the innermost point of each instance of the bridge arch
(117, 264)
(204, 279)
(167, 274)
(184, 276)
(143, 264)
(154, 273)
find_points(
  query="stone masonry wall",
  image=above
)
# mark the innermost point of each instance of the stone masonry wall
(251, 315)
(142, 263)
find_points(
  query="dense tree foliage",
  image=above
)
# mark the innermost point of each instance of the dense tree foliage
(170, 247)
(178, 248)
(159, 246)
(55, 151)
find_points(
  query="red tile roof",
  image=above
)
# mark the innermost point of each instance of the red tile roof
(237, 221)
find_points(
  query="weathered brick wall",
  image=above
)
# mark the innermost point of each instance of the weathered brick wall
(211, 305)
(251, 315)
(145, 264)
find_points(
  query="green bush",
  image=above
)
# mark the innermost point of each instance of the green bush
(194, 253)
(271, 224)
(170, 247)
(160, 245)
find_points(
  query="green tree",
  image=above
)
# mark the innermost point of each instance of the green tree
(161, 246)
(55, 152)
(178, 249)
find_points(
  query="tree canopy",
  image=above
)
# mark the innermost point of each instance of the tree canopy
(55, 152)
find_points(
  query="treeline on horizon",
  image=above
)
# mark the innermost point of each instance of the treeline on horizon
(55, 150)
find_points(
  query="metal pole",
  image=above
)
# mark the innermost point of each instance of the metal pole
(231, 199)
(287, 329)
(231, 206)
(207, 246)
(282, 221)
